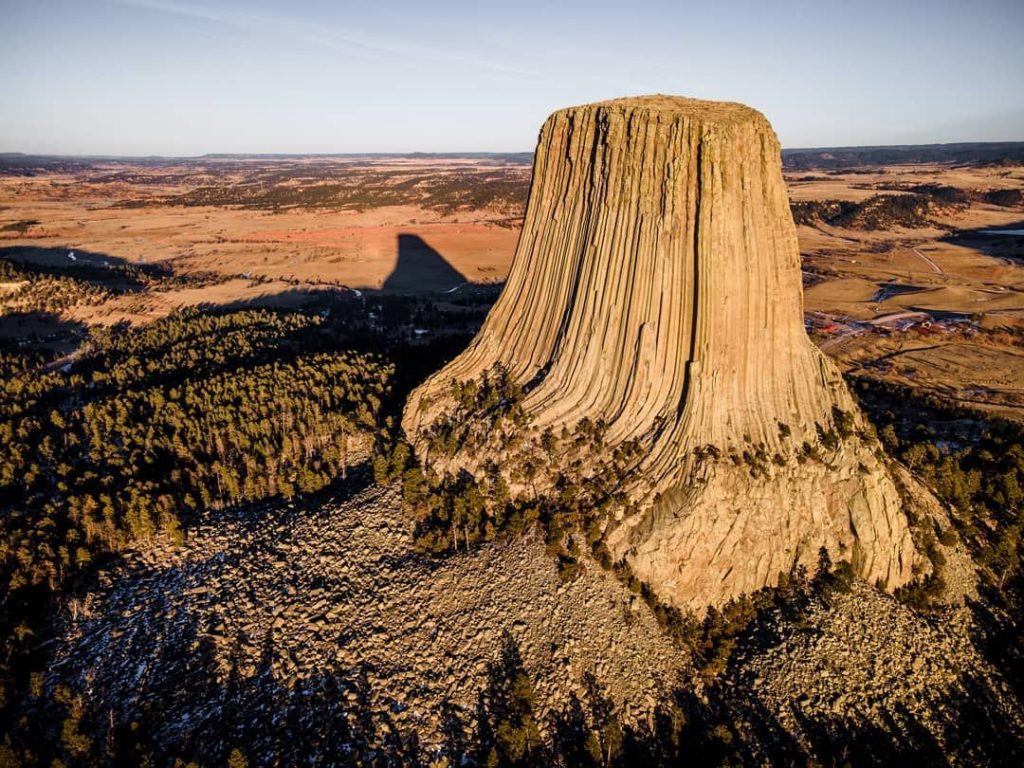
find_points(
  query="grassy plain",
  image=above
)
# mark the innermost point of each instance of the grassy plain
(275, 229)
(936, 303)
(918, 291)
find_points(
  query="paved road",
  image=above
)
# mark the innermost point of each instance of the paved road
(849, 331)
(904, 315)
(847, 334)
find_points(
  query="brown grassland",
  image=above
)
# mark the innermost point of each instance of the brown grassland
(920, 292)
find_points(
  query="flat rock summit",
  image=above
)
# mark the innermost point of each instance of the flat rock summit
(656, 292)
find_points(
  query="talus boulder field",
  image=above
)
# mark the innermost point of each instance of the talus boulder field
(656, 293)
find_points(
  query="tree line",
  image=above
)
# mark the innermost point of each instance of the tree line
(194, 412)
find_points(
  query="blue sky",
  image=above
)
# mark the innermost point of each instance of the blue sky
(194, 76)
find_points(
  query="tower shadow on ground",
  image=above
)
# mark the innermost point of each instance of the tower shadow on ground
(421, 268)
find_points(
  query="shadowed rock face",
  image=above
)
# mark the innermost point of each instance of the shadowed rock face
(656, 290)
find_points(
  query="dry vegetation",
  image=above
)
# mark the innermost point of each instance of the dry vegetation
(909, 280)
(906, 287)
(266, 227)
(905, 279)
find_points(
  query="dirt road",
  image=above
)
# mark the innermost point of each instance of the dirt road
(935, 267)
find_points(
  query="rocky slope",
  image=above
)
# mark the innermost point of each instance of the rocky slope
(312, 634)
(283, 598)
(656, 291)
(864, 674)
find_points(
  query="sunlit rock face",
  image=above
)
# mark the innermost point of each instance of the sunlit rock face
(656, 291)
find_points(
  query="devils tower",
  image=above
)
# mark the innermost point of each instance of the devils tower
(656, 291)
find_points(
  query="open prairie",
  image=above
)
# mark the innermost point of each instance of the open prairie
(912, 272)
(915, 274)
(265, 230)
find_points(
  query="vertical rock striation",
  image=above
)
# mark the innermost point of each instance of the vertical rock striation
(656, 291)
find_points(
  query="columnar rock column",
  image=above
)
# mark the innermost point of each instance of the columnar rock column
(656, 290)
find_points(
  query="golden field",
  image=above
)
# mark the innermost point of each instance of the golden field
(936, 302)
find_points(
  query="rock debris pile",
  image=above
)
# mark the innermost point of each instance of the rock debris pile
(288, 622)
(300, 592)
(866, 671)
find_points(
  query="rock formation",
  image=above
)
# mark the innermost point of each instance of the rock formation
(656, 291)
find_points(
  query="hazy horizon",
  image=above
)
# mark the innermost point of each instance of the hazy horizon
(184, 78)
(441, 153)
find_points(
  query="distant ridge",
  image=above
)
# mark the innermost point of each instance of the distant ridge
(796, 158)
(21, 160)
(969, 153)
